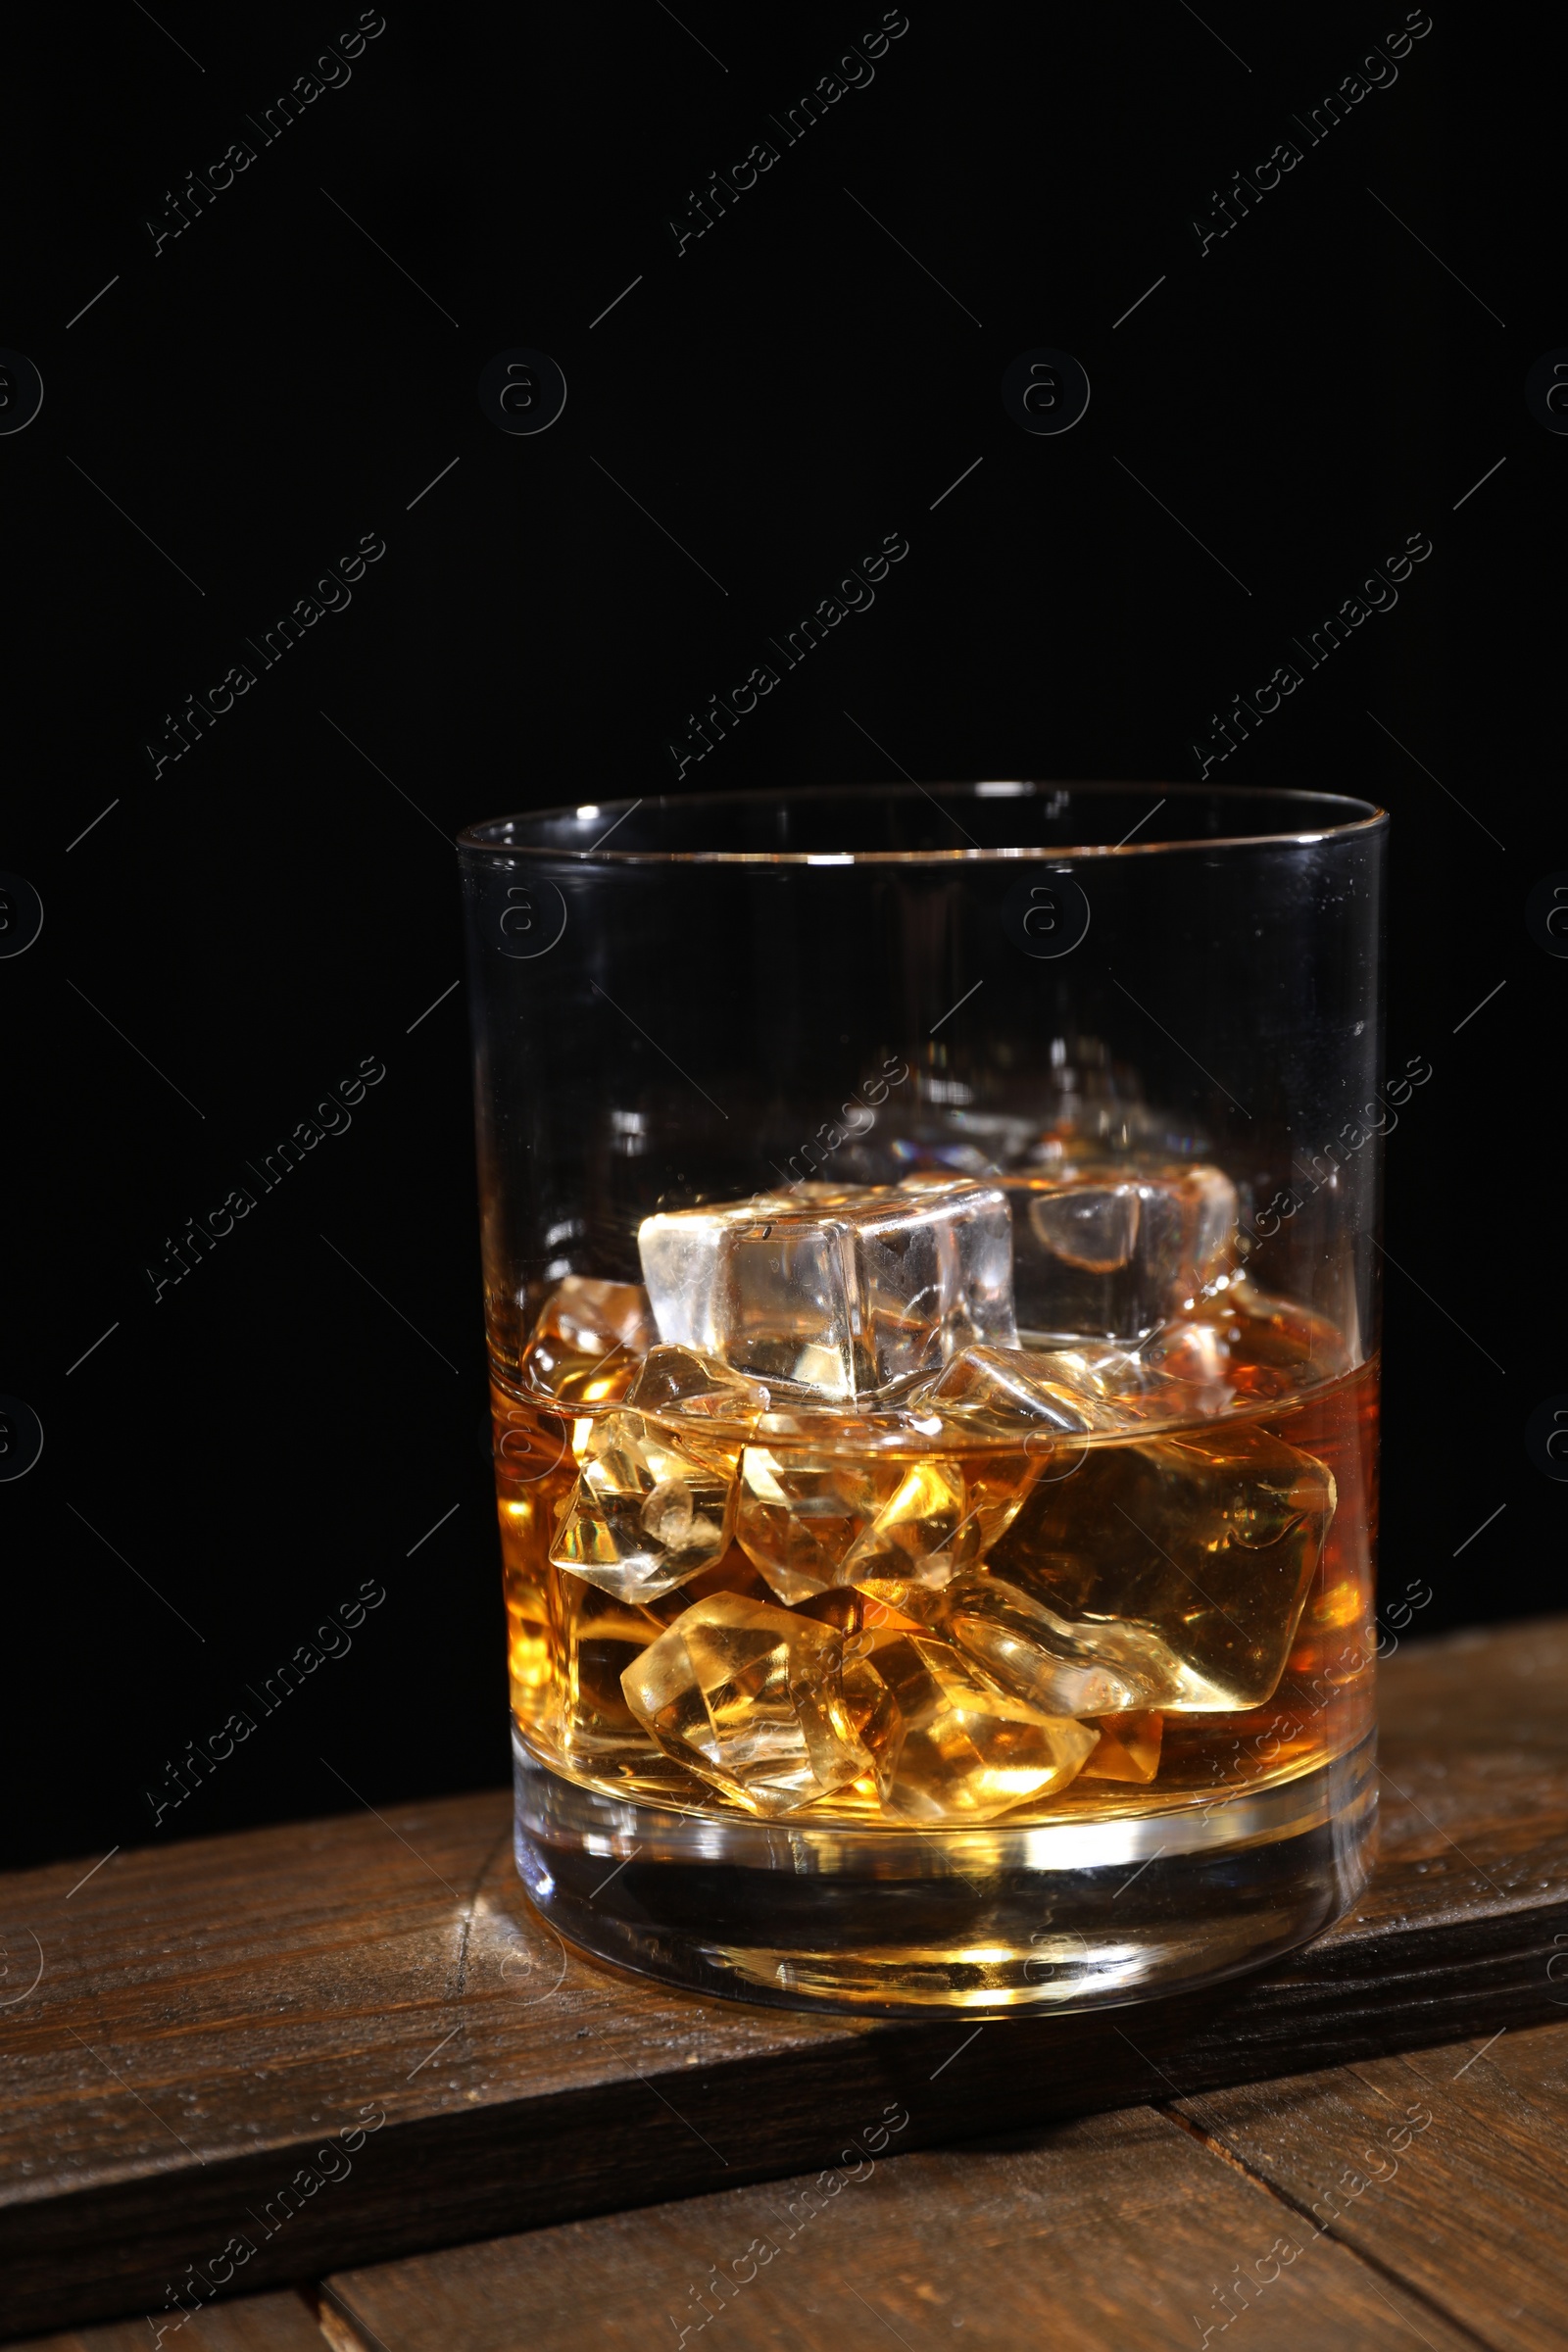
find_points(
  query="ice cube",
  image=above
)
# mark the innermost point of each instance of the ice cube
(1242, 1342)
(947, 1743)
(815, 1519)
(647, 1512)
(1128, 1749)
(924, 1531)
(798, 1513)
(1014, 1393)
(585, 1347)
(1060, 1667)
(676, 1380)
(1206, 1541)
(750, 1698)
(1129, 1388)
(734, 1573)
(943, 1512)
(597, 1636)
(1234, 1347)
(847, 1293)
(1110, 1251)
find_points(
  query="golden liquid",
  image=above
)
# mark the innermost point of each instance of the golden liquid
(570, 1642)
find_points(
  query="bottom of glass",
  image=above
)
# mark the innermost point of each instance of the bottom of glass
(876, 1922)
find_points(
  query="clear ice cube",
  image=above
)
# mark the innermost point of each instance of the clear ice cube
(841, 1295)
(1128, 1388)
(1015, 1394)
(588, 1341)
(1111, 1250)
(677, 1379)
(815, 1520)
(799, 1514)
(1060, 1666)
(1207, 1541)
(946, 1742)
(646, 1512)
(924, 1531)
(750, 1698)
(1246, 1347)
(942, 1512)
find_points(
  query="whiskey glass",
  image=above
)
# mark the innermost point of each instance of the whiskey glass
(932, 1306)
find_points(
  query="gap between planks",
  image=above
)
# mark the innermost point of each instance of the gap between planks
(1292, 2205)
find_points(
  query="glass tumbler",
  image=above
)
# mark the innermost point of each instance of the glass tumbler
(931, 1298)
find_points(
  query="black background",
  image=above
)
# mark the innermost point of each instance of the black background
(239, 931)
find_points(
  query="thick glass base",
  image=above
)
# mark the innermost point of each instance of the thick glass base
(878, 1922)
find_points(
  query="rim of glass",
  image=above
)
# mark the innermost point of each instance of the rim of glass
(1351, 816)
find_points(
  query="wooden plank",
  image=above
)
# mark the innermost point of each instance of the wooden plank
(218, 2023)
(283, 2323)
(1448, 2166)
(1113, 2230)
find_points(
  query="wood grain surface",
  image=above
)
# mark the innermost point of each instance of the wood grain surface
(1447, 2167)
(346, 2039)
(1114, 2232)
(274, 2322)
